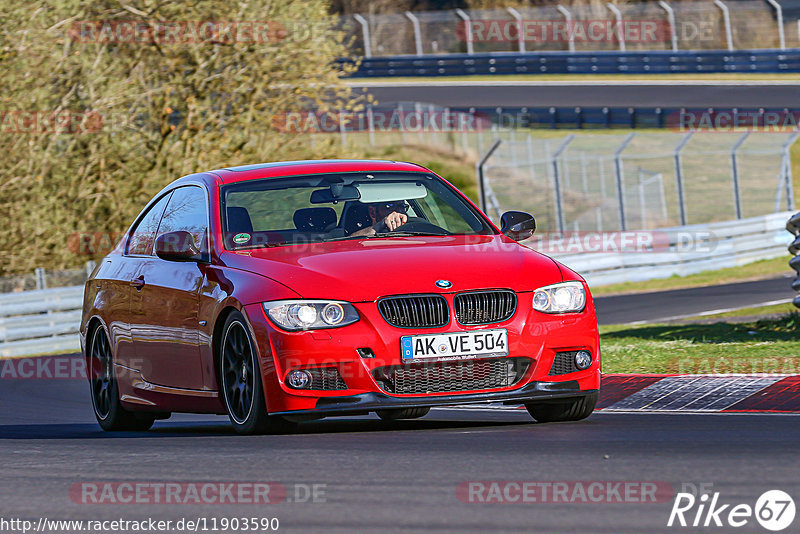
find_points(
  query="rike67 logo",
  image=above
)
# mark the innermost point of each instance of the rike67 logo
(774, 510)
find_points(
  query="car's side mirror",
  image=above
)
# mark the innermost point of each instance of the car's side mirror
(177, 246)
(517, 225)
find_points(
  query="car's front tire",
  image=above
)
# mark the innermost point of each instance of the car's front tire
(566, 410)
(241, 386)
(105, 392)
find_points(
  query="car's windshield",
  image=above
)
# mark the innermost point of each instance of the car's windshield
(318, 208)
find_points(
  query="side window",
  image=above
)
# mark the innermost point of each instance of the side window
(144, 234)
(187, 211)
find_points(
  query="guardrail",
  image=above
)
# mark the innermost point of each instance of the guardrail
(44, 321)
(793, 227)
(599, 62)
(713, 246)
(680, 119)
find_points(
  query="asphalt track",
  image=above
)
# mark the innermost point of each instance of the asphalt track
(681, 303)
(389, 477)
(637, 93)
(380, 476)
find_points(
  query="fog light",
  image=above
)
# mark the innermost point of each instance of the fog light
(298, 379)
(583, 359)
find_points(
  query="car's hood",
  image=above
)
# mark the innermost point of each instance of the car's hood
(366, 269)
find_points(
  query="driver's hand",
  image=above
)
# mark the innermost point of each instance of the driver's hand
(395, 220)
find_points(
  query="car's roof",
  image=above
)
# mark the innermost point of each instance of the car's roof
(296, 168)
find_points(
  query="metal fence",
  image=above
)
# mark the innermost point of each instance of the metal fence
(684, 25)
(648, 180)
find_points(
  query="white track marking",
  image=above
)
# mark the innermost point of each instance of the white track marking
(689, 392)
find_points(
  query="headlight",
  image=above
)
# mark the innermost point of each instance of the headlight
(310, 314)
(560, 298)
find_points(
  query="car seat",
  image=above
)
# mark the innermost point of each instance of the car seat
(356, 217)
(239, 221)
(314, 219)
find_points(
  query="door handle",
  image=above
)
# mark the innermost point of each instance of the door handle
(138, 283)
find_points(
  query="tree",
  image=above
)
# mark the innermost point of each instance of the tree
(103, 103)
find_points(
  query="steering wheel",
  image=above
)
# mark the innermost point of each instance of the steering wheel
(418, 224)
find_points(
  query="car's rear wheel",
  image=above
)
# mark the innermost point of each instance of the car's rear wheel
(105, 393)
(402, 413)
(567, 410)
(240, 381)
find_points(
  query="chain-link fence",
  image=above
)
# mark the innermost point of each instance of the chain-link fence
(595, 181)
(649, 25)
(639, 180)
(592, 181)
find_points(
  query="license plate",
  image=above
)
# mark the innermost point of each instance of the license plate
(455, 344)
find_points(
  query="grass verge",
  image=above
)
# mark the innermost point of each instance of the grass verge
(770, 345)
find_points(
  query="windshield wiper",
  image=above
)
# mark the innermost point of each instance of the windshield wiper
(345, 238)
(266, 245)
(405, 234)
(383, 234)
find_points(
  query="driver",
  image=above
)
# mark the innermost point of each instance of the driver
(385, 216)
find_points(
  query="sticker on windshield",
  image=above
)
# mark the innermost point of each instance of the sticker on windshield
(240, 239)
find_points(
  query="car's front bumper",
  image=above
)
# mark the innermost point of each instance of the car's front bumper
(369, 402)
(531, 335)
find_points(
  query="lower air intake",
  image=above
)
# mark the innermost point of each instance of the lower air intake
(563, 363)
(440, 377)
(326, 379)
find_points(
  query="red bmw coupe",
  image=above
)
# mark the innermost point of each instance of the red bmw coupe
(287, 292)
